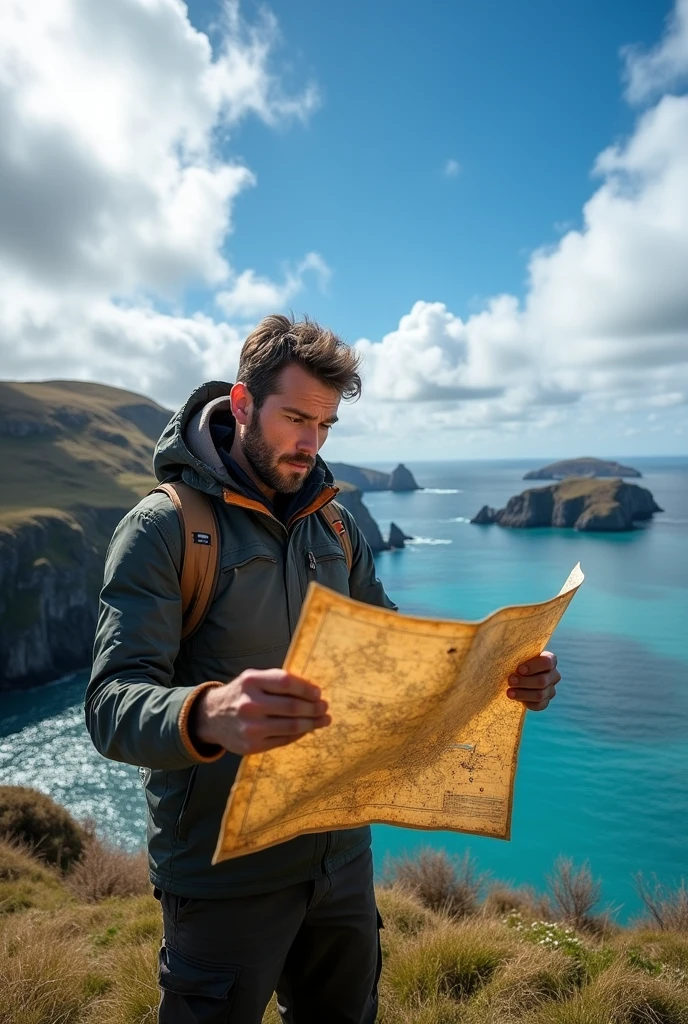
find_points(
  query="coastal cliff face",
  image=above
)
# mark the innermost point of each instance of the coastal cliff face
(579, 504)
(51, 567)
(351, 498)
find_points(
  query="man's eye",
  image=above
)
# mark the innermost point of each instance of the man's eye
(294, 419)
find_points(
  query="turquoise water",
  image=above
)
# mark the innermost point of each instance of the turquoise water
(603, 773)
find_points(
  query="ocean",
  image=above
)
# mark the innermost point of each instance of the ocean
(603, 772)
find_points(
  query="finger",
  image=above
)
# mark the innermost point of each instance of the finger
(532, 696)
(542, 663)
(540, 706)
(280, 727)
(538, 682)
(279, 682)
(271, 706)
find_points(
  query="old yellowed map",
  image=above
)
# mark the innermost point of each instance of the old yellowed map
(422, 733)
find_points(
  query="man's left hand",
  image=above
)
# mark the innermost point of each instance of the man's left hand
(534, 682)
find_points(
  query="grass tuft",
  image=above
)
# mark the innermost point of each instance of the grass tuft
(450, 959)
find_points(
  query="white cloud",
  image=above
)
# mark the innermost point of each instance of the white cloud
(451, 168)
(665, 66)
(115, 194)
(603, 326)
(250, 295)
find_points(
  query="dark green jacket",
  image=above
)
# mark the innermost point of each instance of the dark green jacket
(144, 681)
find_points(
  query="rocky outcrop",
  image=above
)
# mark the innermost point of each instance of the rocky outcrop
(400, 479)
(51, 568)
(579, 504)
(584, 466)
(350, 497)
(397, 537)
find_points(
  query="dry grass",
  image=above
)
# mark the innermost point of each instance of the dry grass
(25, 881)
(667, 907)
(79, 954)
(450, 885)
(105, 870)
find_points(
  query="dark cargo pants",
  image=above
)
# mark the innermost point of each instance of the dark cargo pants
(316, 944)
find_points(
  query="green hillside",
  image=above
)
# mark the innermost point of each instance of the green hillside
(70, 444)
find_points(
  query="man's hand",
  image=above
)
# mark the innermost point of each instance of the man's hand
(259, 710)
(534, 682)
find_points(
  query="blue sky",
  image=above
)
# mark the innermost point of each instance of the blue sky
(523, 96)
(490, 200)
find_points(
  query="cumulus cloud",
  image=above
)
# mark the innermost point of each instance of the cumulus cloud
(116, 196)
(250, 295)
(603, 325)
(663, 67)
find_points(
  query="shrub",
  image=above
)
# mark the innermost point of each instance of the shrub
(105, 870)
(32, 818)
(666, 906)
(442, 883)
(575, 894)
(502, 899)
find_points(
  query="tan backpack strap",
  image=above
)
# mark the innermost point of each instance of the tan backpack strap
(200, 552)
(332, 513)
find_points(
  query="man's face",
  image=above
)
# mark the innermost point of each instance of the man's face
(282, 439)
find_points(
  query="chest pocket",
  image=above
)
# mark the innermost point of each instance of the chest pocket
(326, 564)
(249, 612)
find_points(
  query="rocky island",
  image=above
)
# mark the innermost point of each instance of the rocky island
(400, 479)
(584, 466)
(76, 457)
(577, 503)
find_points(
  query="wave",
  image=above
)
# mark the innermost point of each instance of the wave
(441, 490)
(427, 540)
(458, 519)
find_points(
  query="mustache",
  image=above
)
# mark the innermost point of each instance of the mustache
(300, 460)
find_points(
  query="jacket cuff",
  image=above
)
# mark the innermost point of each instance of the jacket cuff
(204, 753)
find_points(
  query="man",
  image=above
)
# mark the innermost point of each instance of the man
(299, 918)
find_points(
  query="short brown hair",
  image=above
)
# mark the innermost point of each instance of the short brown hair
(278, 341)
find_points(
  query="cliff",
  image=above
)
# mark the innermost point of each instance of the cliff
(584, 466)
(350, 497)
(578, 503)
(400, 479)
(75, 456)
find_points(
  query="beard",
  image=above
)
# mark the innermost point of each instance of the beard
(265, 463)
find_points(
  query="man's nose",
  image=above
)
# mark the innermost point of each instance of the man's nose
(308, 441)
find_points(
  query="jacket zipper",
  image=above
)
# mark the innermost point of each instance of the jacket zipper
(312, 564)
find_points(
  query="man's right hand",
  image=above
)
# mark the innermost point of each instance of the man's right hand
(259, 710)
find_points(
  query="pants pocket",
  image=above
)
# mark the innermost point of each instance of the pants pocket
(194, 990)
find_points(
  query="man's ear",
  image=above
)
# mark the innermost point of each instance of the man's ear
(242, 403)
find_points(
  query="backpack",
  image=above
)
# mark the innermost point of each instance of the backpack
(201, 548)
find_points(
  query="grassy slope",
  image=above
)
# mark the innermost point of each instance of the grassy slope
(86, 445)
(75, 961)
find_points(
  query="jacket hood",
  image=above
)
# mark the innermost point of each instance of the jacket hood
(186, 451)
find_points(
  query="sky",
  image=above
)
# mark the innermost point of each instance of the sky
(489, 200)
